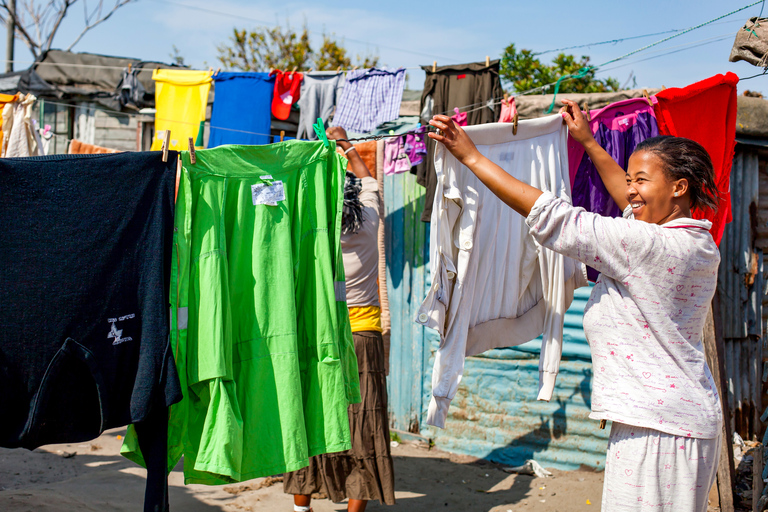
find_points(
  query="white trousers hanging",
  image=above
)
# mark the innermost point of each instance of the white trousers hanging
(649, 470)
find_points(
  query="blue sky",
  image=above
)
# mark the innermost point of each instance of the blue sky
(411, 33)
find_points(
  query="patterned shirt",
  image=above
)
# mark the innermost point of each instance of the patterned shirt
(645, 318)
(370, 97)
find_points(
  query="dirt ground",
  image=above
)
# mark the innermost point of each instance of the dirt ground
(94, 477)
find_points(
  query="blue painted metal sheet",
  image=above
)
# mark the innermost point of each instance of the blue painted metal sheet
(407, 244)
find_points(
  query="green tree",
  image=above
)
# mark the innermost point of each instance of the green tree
(525, 71)
(176, 57)
(332, 55)
(263, 49)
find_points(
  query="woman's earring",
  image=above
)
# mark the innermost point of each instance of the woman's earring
(675, 194)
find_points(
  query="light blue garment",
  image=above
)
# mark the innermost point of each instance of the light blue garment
(242, 109)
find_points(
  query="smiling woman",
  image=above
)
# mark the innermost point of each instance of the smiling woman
(646, 313)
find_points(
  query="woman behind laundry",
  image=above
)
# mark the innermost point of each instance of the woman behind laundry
(365, 472)
(646, 314)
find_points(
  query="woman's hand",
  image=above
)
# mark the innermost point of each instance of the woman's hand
(578, 126)
(455, 140)
(336, 133)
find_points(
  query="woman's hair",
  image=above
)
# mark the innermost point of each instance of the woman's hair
(686, 159)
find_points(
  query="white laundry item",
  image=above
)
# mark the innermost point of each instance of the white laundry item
(492, 284)
(650, 470)
(85, 123)
(644, 320)
(18, 133)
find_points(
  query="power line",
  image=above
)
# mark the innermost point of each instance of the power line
(620, 40)
(676, 49)
(679, 34)
(266, 24)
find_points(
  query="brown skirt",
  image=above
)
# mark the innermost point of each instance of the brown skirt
(365, 472)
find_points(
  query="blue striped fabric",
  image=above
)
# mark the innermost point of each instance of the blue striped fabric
(370, 97)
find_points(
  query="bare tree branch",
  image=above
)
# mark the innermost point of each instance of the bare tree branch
(91, 24)
(38, 21)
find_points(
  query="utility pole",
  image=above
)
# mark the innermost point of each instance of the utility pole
(11, 36)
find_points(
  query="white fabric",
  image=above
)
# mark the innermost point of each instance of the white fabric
(645, 318)
(85, 123)
(492, 285)
(649, 470)
(18, 133)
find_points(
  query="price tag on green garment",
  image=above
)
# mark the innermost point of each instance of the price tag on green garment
(268, 194)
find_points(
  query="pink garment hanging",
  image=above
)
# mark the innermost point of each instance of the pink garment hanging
(459, 118)
(508, 110)
(620, 116)
(395, 158)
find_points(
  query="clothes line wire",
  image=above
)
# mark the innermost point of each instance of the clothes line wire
(152, 65)
(679, 34)
(622, 39)
(764, 73)
(207, 122)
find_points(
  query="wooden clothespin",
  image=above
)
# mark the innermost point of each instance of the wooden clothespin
(647, 97)
(487, 61)
(218, 70)
(354, 68)
(192, 157)
(166, 143)
(210, 71)
(434, 66)
(514, 123)
(293, 70)
(338, 69)
(663, 87)
(586, 109)
(282, 135)
(129, 67)
(310, 70)
(602, 424)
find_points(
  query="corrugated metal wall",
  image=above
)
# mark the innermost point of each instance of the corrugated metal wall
(407, 242)
(741, 291)
(495, 414)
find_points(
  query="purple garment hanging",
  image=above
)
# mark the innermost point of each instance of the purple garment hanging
(415, 147)
(618, 128)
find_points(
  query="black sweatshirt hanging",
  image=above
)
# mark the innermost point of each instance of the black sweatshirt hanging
(84, 273)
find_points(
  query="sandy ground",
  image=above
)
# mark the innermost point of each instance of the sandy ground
(94, 477)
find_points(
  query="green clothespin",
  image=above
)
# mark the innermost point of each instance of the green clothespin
(319, 127)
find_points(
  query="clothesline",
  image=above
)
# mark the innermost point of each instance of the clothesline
(155, 65)
(370, 137)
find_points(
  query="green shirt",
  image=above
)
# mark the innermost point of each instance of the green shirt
(259, 318)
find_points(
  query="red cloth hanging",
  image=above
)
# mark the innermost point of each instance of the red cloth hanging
(705, 112)
(287, 91)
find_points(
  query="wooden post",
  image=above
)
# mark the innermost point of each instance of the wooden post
(714, 349)
(757, 479)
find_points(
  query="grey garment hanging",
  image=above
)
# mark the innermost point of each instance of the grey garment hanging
(319, 92)
(130, 90)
